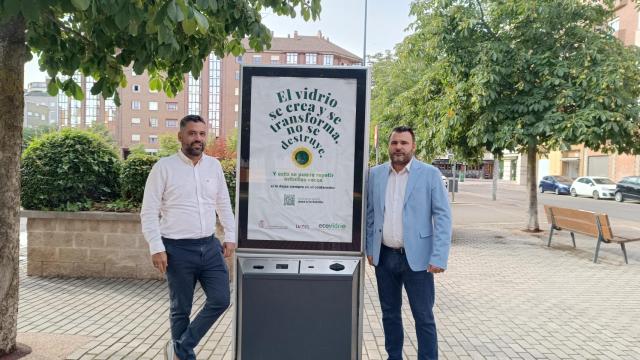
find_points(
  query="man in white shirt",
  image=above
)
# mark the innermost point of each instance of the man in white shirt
(182, 195)
(408, 240)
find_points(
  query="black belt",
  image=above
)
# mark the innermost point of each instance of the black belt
(399, 250)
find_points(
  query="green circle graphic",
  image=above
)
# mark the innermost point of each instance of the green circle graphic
(302, 157)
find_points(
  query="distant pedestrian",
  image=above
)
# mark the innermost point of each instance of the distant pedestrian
(181, 198)
(408, 240)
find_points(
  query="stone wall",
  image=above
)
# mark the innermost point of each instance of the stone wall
(87, 244)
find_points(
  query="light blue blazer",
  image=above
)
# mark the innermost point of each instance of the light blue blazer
(426, 216)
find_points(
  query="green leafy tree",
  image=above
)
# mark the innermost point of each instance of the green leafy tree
(137, 150)
(528, 76)
(68, 170)
(169, 145)
(103, 132)
(99, 38)
(133, 178)
(28, 134)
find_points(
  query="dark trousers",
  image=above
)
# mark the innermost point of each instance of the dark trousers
(392, 273)
(191, 260)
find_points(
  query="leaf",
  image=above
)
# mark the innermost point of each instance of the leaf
(77, 92)
(189, 26)
(213, 5)
(174, 12)
(155, 84)
(31, 9)
(203, 23)
(11, 8)
(52, 87)
(133, 28)
(81, 4)
(203, 4)
(122, 20)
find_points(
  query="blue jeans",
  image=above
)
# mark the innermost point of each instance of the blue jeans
(392, 272)
(191, 260)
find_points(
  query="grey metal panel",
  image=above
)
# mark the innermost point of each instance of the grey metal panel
(324, 267)
(287, 316)
(269, 266)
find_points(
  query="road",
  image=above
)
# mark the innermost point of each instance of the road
(511, 207)
(628, 210)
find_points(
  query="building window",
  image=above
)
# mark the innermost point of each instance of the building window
(275, 59)
(136, 88)
(75, 106)
(257, 59)
(171, 123)
(110, 109)
(194, 95)
(135, 137)
(235, 107)
(135, 104)
(239, 59)
(153, 105)
(153, 122)
(172, 106)
(135, 121)
(214, 94)
(311, 59)
(237, 74)
(92, 103)
(63, 104)
(292, 58)
(153, 139)
(237, 91)
(328, 60)
(615, 25)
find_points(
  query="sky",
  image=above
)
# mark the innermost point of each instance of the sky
(342, 21)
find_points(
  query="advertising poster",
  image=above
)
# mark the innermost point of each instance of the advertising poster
(302, 139)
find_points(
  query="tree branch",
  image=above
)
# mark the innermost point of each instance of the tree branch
(483, 21)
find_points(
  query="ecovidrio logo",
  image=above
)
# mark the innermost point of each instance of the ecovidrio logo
(302, 157)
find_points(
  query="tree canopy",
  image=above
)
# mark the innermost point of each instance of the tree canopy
(167, 38)
(515, 75)
(99, 38)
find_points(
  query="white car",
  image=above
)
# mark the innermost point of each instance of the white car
(595, 186)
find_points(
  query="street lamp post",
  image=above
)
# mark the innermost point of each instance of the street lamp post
(364, 47)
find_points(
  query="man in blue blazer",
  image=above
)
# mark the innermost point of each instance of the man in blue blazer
(408, 240)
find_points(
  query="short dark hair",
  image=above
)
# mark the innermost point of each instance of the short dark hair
(403, 128)
(191, 118)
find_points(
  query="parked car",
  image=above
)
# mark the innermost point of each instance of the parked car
(628, 189)
(557, 184)
(595, 186)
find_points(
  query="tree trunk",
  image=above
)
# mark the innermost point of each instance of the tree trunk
(496, 174)
(12, 59)
(532, 153)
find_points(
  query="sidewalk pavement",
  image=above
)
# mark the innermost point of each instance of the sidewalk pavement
(505, 296)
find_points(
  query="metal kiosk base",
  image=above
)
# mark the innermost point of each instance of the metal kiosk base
(297, 308)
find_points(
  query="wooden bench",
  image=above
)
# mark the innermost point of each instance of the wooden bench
(586, 223)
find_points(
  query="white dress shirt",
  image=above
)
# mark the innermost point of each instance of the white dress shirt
(393, 205)
(181, 200)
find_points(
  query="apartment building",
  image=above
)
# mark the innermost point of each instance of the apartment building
(144, 115)
(40, 109)
(580, 160)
